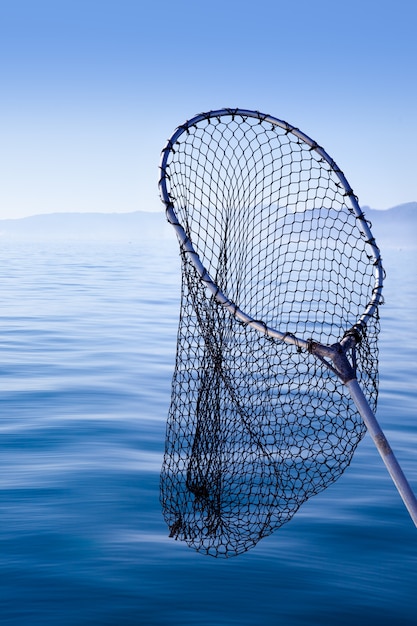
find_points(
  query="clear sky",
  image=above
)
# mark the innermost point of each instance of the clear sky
(91, 90)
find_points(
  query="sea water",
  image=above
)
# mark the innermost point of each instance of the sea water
(87, 349)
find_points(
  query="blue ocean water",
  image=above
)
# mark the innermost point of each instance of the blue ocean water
(87, 344)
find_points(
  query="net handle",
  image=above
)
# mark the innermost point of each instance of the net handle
(188, 248)
(334, 357)
(384, 448)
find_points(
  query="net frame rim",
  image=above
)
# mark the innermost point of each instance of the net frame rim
(186, 244)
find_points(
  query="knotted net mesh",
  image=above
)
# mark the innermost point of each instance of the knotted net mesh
(257, 426)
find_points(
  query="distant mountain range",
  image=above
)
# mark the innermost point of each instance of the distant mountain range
(395, 227)
(138, 225)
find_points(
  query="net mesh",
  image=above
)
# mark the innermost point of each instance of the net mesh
(257, 426)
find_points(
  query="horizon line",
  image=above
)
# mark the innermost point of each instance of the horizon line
(157, 212)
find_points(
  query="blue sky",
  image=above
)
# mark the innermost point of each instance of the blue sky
(92, 89)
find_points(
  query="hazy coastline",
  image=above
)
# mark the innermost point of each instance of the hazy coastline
(396, 226)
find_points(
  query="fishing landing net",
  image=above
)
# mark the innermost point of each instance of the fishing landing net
(270, 238)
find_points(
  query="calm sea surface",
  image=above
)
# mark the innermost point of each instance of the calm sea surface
(87, 347)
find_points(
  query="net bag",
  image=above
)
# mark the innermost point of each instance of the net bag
(258, 423)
